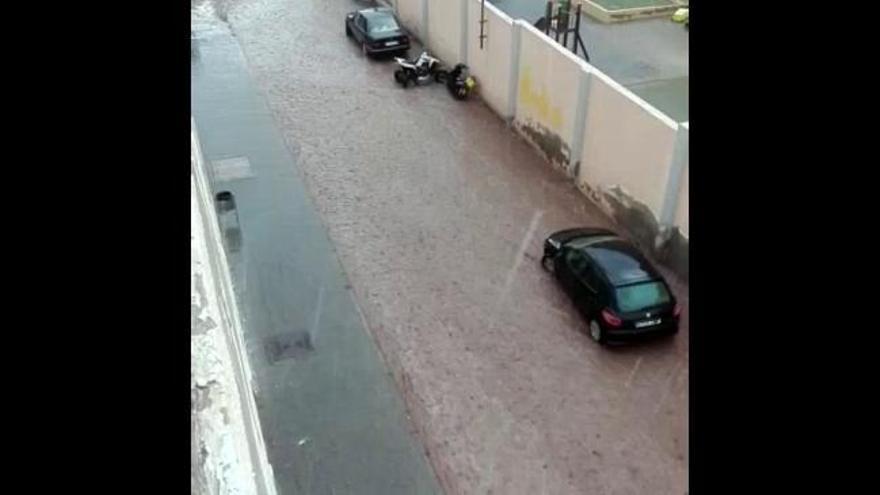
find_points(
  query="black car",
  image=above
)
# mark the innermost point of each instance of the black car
(614, 286)
(377, 30)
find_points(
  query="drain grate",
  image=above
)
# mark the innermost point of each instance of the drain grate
(296, 345)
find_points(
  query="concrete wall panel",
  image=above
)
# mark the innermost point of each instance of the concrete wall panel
(445, 25)
(548, 87)
(491, 64)
(628, 144)
(681, 209)
(410, 14)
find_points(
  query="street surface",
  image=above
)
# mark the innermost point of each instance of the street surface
(436, 211)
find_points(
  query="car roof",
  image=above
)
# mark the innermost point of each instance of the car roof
(621, 262)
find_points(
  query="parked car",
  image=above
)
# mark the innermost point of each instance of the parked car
(616, 289)
(377, 30)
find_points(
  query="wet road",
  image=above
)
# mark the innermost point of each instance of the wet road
(332, 419)
(437, 212)
(649, 56)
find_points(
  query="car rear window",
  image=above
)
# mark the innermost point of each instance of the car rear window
(382, 24)
(641, 296)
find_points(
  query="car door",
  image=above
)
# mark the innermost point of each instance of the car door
(592, 287)
(360, 28)
(582, 282)
(571, 277)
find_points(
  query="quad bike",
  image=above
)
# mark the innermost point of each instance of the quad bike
(419, 71)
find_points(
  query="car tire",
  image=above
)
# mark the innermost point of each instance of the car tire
(347, 30)
(547, 264)
(596, 332)
(400, 77)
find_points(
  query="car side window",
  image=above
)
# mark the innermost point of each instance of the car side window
(577, 261)
(361, 22)
(590, 277)
(583, 269)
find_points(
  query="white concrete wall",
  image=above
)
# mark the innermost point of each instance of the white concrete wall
(627, 143)
(491, 64)
(681, 209)
(548, 86)
(410, 14)
(445, 25)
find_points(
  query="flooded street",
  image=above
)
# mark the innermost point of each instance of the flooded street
(436, 212)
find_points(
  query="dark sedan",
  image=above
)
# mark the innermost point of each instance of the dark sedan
(377, 31)
(616, 289)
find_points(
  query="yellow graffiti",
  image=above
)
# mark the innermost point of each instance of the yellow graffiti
(538, 101)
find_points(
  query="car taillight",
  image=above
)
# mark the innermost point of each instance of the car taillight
(677, 310)
(611, 318)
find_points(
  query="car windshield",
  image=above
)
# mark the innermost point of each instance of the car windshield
(641, 296)
(382, 24)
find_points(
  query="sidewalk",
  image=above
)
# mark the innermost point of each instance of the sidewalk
(226, 439)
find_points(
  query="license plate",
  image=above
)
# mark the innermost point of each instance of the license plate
(391, 43)
(647, 323)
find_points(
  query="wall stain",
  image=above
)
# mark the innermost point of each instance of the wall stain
(549, 143)
(200, 396)
(634, 215)
(200, 325)
(538, 101)
(666, 245)
(674, 252)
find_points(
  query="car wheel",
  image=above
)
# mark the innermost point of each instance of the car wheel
(596, 332)
(400, 77)
(547, 263)
(347, 31)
